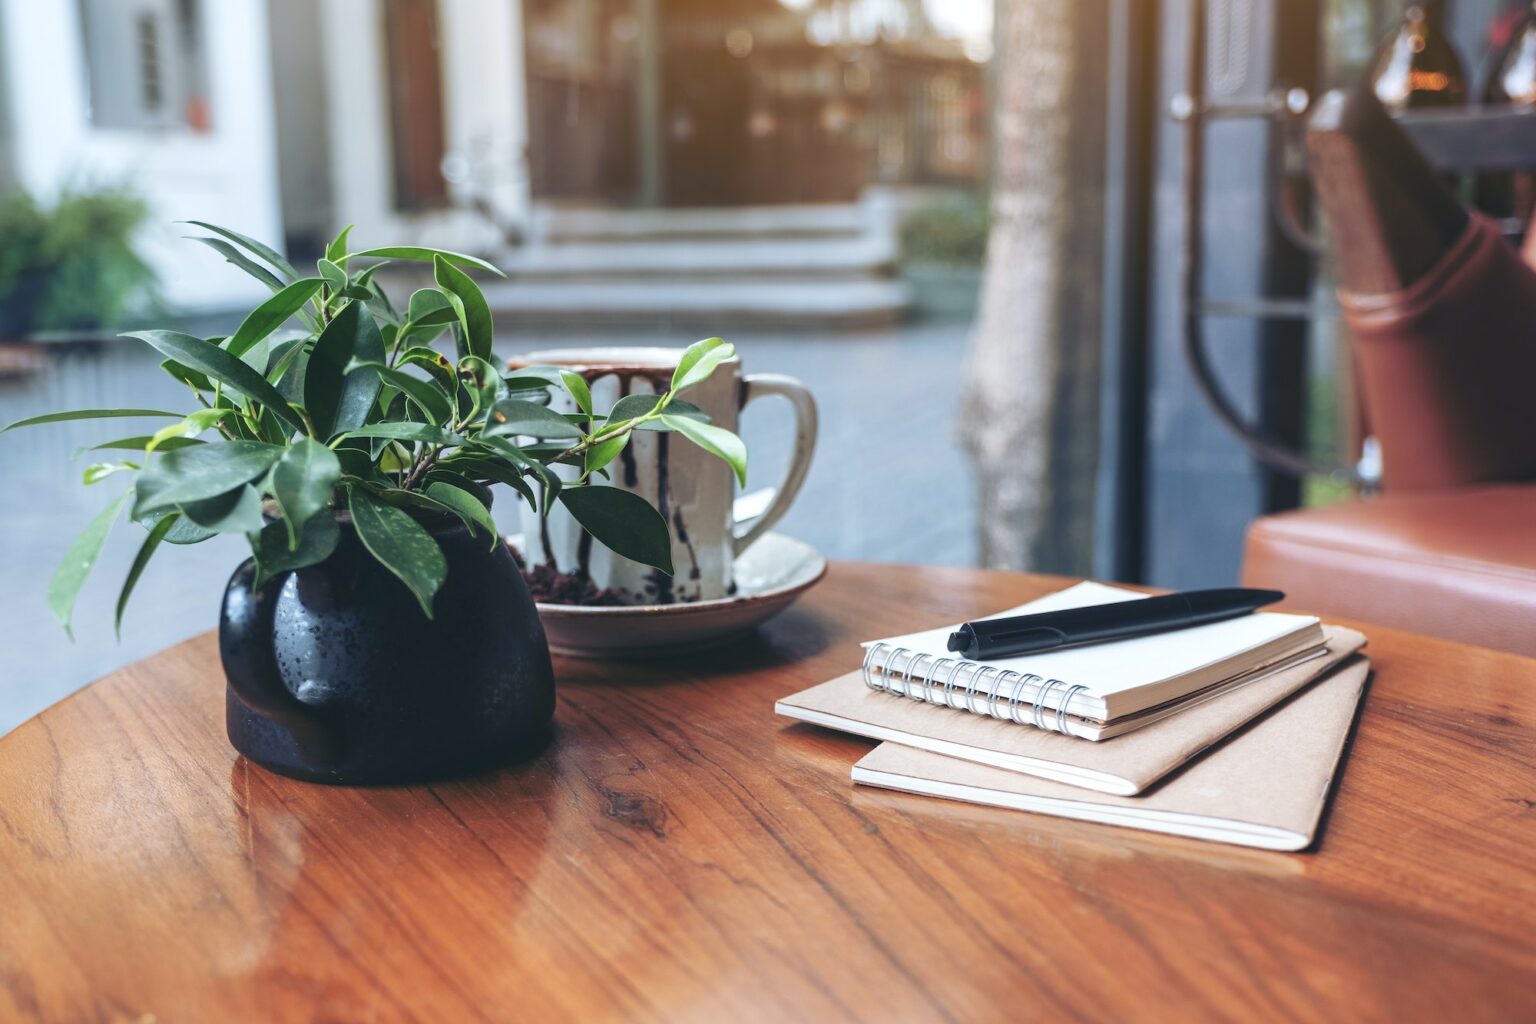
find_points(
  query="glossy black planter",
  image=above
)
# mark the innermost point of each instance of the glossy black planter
(335, 675)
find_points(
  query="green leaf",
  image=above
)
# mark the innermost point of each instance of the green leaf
(182, 532)
(90, 414)
(192, 424)
(429, 326)
(273, 555)
(428, 301)
(333, 275)
(480, 381)
(399, 497)
(699, 361)
(202, 471)
(220, 365)
(715, 440)
(139, 443)
(400, 544)
(467, 507)
(365, 279)
(488, 469)
(78, 560)
(422, 254)
(435, 363)
(536, 376)
(337, 250)
(272, 314)
(283, 358)
(338, 401)
(678, 409)
(550, 488)
(518, 418)
(549, 483)
(604, 452)
(244, 262)
(622, 521)
(379, 304)
(424, 433)
(474, 312)
(632, 407)
(265, 252)
(258, 355)
(576, 384)
(302, 482)
(236, 511)
(188, 376)
(99, 471)
(430, 398)
(393, 458)
(146, 551)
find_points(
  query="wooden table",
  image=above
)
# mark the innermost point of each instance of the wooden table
(679, 853)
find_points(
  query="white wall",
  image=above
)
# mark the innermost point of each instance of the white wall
(485, 124)
(227, 176)
(303, 143)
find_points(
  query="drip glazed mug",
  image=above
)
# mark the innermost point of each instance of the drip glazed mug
(693, 490)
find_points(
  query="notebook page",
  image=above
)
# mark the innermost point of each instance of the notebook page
(1125, 664)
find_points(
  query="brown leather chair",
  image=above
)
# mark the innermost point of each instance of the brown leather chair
(1442, 314)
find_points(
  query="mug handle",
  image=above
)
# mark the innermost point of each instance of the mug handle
(755, 385)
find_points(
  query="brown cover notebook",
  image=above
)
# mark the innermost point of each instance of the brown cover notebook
(1264, 787)
(1125, 765)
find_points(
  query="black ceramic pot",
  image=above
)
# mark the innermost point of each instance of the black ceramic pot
(335, 674)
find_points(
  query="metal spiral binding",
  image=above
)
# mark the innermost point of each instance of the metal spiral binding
(943, 681)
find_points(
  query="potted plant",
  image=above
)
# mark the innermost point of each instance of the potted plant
(943, 248)
(70, 271)
(380, 630)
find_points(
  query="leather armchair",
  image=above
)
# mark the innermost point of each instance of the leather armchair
(1442, 315)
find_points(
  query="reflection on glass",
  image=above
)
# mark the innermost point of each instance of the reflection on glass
(1418, 67)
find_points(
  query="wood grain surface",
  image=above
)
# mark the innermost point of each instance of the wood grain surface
(681, 854)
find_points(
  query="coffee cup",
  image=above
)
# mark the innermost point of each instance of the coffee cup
(693, 490)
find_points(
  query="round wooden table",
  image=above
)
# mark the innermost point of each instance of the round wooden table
(679, 853)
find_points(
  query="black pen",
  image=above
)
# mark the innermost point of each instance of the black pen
(1100, 623)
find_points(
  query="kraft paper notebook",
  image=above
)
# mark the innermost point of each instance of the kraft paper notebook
(1124, 765)
(1100, 690)
(1265, 787)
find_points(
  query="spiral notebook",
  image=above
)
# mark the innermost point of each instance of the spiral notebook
(1265, 787)
(1123, 766)
(1097, 691)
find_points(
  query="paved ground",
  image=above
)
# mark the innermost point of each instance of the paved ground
(888, 484)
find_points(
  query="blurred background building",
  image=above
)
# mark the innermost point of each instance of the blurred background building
(172, 97)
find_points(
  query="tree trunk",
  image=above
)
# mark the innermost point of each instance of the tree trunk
(1030, 408)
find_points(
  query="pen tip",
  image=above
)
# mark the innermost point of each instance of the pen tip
(958, 641)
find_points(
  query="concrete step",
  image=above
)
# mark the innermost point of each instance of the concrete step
(558, 225)
(719, 257)
(714, 305)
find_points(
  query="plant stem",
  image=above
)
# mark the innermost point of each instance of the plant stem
(609, 434)
(422, 466)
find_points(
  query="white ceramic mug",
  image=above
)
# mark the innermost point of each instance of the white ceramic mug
(693, 490)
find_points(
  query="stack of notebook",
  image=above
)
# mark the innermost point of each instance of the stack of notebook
(1228, 731)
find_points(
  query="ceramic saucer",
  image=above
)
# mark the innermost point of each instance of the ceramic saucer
(769, 575)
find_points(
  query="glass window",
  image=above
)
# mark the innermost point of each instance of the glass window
(146, 68)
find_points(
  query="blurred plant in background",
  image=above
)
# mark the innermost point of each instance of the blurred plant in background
(74, 266)
(950, 231)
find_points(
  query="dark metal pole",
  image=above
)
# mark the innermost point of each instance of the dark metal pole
(1128, 173)
(650, 136)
